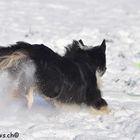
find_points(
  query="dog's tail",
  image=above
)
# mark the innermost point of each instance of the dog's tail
(9, 60)
(10, 56)
(13, 54)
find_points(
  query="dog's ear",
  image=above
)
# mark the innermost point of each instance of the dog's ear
(103, 46)
(81, 42)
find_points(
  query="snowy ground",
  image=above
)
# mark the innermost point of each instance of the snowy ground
(56, 23)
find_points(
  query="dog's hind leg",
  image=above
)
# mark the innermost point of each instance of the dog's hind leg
(29, 97)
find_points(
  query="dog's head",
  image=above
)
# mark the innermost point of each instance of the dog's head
(95, 54)
(98, 57)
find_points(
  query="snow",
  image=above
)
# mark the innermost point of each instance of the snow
(57, 23)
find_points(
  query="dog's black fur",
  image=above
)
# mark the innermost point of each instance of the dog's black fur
(70, 78)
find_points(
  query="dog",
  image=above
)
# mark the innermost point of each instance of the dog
(71, 79)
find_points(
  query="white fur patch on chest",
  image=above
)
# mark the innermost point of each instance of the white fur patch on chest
(99, 80)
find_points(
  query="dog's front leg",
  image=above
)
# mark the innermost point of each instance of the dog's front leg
(95, 100)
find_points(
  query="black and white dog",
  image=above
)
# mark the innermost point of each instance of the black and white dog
(71, 78)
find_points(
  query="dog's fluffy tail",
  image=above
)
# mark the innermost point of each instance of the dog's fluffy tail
(9, 60)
